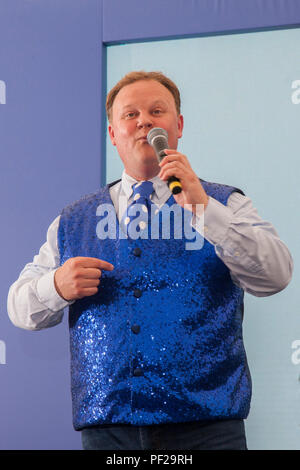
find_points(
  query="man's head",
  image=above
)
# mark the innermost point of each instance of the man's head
(132, 77)
(137, 103)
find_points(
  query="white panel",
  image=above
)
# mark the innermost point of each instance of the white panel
(241, 104)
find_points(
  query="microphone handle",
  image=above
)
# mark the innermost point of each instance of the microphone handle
(173, 183)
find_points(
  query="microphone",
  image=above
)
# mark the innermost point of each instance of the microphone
(158, 139)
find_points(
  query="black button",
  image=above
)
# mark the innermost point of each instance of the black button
(137, 251)
(137, 372)
(137, 293)
(136, 329)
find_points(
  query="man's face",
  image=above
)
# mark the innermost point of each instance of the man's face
(137, 108)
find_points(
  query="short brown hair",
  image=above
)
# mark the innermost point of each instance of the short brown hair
(132, 77)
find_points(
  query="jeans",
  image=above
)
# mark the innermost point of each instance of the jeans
(194, 435)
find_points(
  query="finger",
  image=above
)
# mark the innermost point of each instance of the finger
(87, 283)
(167, 159)
(87, 262)
(88, 292)
(172, 155)
(166, 174)
(173, 163)
(90, 273)
(172, 166)
(172, 151)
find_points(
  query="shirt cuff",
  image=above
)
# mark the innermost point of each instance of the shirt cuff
(48, 295)
(214, 223)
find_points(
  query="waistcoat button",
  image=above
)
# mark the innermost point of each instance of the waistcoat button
(137, 293)
(137, 372)
(137, 251)
(136, 329)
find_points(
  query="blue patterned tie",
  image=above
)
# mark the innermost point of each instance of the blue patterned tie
(136, 220)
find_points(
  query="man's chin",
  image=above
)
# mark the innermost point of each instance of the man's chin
(145, 166)
(147, 156)
(151, 161)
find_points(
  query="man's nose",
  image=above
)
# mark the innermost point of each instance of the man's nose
(144, 120)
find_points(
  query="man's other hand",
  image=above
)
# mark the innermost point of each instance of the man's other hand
(80, 277)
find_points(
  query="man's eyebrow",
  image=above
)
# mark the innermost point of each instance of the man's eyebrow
(154, 103)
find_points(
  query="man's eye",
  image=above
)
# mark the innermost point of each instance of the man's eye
(157, 111)
(130, 115)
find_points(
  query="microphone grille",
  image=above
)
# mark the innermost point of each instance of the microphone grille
(156, 132)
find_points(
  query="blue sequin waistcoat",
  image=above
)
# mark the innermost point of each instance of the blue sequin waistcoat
(161, 341)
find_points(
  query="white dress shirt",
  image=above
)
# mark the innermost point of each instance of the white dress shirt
(259, 262)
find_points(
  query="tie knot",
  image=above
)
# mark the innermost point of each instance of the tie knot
(142, 190)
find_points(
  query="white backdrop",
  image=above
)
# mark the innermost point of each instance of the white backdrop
(241, 105)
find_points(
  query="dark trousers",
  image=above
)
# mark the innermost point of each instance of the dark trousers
(195, 435)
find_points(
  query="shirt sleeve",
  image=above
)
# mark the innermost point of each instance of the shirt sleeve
(259, 262)
(33, 302)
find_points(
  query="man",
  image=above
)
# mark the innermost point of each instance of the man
(157, 353)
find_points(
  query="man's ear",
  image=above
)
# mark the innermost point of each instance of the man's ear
(180, 125)
(111, 134)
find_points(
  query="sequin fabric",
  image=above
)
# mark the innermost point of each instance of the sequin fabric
(161, 341)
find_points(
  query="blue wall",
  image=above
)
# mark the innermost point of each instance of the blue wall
(50, 54)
